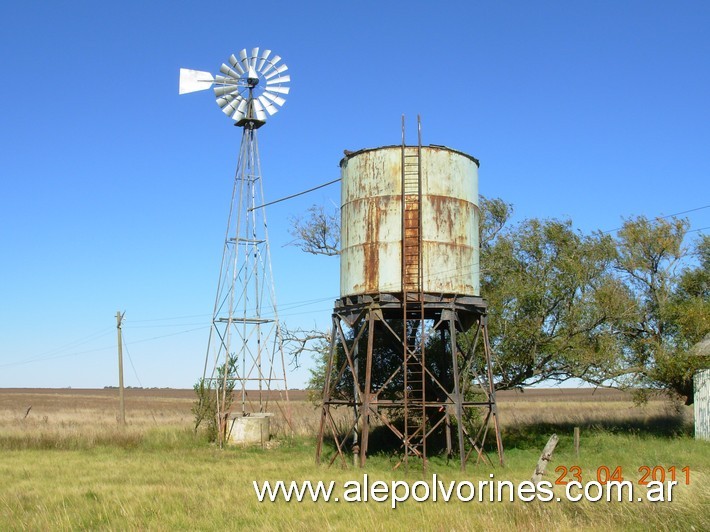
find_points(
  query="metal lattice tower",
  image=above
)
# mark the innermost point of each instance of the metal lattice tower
(245, 359)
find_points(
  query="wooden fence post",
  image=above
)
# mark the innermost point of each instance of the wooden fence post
(545, 457)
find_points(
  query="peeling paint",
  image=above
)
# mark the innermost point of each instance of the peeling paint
(371, 228)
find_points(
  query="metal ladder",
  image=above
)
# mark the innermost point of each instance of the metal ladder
(413, 333)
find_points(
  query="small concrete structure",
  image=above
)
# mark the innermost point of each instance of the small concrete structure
(701, 404)
(250, 429)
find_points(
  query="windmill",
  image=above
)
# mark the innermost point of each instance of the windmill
(250, 88)
(245, 358)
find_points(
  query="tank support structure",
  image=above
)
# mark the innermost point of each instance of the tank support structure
(367, 373)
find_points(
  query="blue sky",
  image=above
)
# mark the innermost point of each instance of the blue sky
(115, 189)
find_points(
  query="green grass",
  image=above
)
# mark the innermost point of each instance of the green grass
(168, 478)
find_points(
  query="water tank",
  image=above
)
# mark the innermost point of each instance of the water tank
(371, 221)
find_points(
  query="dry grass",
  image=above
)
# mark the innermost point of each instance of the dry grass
(90, 416)
(622, 412)
(68, 465)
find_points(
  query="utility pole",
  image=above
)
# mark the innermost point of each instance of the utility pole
(121, 404)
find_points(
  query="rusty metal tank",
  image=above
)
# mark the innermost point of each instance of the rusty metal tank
(371, 221)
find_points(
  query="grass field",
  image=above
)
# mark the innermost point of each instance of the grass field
(65, 464)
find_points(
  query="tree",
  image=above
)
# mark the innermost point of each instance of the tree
(209, 392)
(690, 303)
(669, 306)
(318, 232)
(495, 213)
(548, 291)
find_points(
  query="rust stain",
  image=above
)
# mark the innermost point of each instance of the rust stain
(394, 240)
(452, 219)
(411, 245)
(372, 258)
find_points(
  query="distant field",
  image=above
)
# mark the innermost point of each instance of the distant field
(67, 407)
(9, 395)
(45, 401)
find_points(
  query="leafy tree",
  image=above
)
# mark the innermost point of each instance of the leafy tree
(205, 406)
(690, 303)
(548, 291)
(495, 213)
(669, 306)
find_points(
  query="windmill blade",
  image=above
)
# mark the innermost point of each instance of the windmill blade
(235, 63)
(232, 107)
(194, 80)
(280, 90)
(242, 107)
(264, 56)
(271, 64)
(238, 116)
(225, 89)
(226, 100)
(254, 57)
(276, 71)
(222, 102)
(228, 110)
(270, 107)
(259, 113)
(278, 100)
(282, 79)
(224, 69)
(243, 59)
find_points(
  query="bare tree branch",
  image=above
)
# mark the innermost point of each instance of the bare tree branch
(300, 341)
(318, 232)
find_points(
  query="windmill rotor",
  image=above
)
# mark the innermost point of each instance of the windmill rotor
(249, 87)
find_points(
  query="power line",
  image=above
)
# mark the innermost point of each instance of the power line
(685, 212)
(698, 230)
(88, 351)
(173, 318)
(73, 344)
(130, 359)
(171, 334)
(283, 306)
(166, 325)
(668, 216)
(66, 355)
